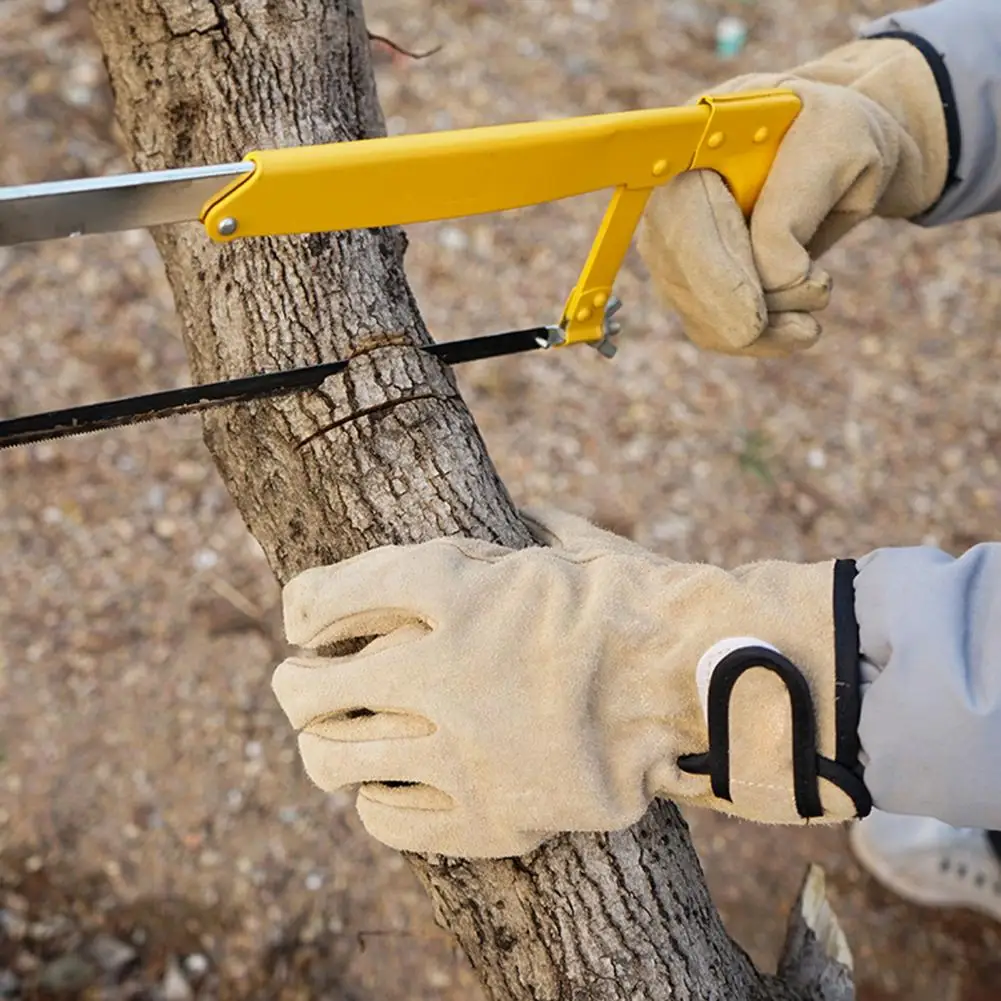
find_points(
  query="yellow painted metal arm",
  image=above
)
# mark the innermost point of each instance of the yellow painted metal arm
(401, 180)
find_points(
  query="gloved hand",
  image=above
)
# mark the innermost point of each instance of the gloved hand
(528, 692)
(869, 140)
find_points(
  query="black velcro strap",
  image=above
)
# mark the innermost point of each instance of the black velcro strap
(994, 840)
(716, 762)
(936, 63)
(808, 765)
(848, 781)
(845, 771)
(847, 652)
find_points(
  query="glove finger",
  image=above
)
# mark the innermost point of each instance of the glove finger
(339, 691)
(441, 832)
(409, 797)
(822, 157)
(811, 295)
(378, 591)
(695, 243)
(333, 764)
(786, 334)
(837, 225)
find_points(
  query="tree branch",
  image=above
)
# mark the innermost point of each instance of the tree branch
(386, 453)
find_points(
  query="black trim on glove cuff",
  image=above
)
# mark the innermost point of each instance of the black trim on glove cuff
(939, 70)
(809, 766)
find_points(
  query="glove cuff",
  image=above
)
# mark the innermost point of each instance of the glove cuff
(896, 74)
(725, 664)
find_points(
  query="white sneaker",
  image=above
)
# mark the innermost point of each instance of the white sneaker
(930, 863)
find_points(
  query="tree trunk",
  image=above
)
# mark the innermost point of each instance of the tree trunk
(386, 453)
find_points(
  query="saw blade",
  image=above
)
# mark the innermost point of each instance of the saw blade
(55, 209)
(192, 399)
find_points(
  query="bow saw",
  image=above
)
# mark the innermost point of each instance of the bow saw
(403, 180)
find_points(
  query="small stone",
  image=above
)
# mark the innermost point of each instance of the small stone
(953, 458)
(13, 926)
(79, 95)
(51, 515)
(50, 928)
(10, 984)
(69, 974)
(175, 987)
(112, 955)
(197, 964)
(816, 459)
(165, 528)
(26, 962)
(205, 559)
(190, 472)
(438, 978)
(453, 238)
(314, 881)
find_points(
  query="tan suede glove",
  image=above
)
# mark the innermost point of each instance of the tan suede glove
(870, 140)
(523, 693)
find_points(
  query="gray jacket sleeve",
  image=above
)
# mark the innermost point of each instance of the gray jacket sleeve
(930, 726)
(962, 41)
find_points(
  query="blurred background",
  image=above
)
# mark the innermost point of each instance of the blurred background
(157, 836)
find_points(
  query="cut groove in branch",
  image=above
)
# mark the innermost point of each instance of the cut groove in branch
(378, 408)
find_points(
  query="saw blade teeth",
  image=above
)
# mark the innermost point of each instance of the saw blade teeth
(37, 438)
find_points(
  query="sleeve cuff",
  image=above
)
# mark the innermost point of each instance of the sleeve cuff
(961, 40)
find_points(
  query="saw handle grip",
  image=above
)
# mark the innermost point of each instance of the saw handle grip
(739, 141)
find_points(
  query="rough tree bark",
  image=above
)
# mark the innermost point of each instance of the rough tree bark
(386, 453)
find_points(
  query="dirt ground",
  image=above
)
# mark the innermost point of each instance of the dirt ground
(155, 827)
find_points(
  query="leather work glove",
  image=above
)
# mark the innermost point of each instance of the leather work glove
(522, 693)
(869, 140)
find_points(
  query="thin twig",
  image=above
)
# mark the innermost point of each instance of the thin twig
(372, 37)
(236, 598)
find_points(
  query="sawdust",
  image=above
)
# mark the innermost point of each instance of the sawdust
(145, 765)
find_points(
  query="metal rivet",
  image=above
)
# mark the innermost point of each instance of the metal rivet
(227, 226)
(583, 315)
(600, 300)
(660, 168)
(761, 135)
(715, 140)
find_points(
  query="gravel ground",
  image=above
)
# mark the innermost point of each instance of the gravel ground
(157, 837)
